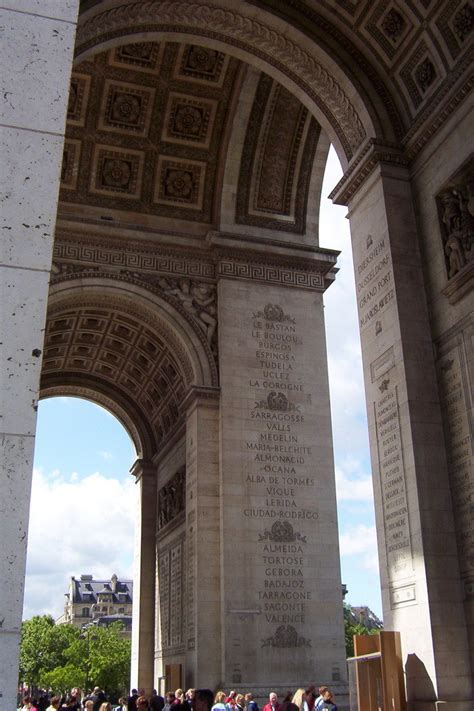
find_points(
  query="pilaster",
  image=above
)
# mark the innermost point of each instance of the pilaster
(282, 615)
(37, 48)
(421, 585)
(203, 539)
(143, 628)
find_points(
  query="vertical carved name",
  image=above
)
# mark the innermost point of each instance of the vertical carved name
(392, 482)
(277, 479)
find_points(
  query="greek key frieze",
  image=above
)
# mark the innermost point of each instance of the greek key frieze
(272, 274)
(135, 260)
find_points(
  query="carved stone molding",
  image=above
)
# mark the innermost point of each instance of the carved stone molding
(239, 30)
(362, 166)
(133, 257)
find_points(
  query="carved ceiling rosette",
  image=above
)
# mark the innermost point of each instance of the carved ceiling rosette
(239, 30)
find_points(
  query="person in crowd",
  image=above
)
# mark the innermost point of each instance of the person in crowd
(319, 699)
(69, 704)
(219, 701)
(179, 697)
(43, 700)
(287, 703)
(88, 705)
(123, 703)
(298, 698)
(169, 700)
(327, 702)
(250, 703)
(230, 700)
(157, 702)
(132, 700)
(239, 702)
(97, 697)
(273, 704)
(203, 700)
(105, 706)
(190, 697)
(142, 703)
(76, 693)
(309, 698)
(54, 703)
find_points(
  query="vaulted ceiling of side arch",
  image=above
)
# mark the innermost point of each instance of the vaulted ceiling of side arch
(149, 128)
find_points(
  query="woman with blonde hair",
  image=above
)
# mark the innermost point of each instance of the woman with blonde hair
(106, 706)
(298, 698)
(219, 701)
(179, 694)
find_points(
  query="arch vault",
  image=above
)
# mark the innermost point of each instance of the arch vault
(164, 162)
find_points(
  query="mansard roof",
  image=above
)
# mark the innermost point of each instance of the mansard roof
(86, 590)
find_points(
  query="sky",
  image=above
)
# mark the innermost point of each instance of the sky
(84, 499)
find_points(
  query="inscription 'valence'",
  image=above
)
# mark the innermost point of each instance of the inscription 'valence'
(276, 401)
(286, 637)
(274, 312)
(282, 532)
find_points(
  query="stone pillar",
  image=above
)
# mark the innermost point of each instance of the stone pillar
(36, 60)
(203, 537)
(421, 589)
(282, 607)
(143, 627)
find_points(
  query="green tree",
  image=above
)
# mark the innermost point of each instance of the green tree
(351, 628)
(61, 656)
(43, 645)
(62, 679)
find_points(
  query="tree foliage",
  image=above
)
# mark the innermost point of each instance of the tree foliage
(61, 656)
(351, 628)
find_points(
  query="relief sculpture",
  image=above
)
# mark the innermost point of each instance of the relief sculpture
(197, 298)
(457, 217)
(171, 499)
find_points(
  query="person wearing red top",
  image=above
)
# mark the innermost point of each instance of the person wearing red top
(273, 704)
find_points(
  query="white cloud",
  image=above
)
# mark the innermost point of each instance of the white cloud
(76, 526)
(358, 488)
(105, 455)
(361, 540)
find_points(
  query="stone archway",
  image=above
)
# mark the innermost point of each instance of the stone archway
(387, 84)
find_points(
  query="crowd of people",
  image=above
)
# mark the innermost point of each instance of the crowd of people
(309, 699)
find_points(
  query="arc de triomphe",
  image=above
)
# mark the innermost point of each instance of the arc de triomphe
(160, 257)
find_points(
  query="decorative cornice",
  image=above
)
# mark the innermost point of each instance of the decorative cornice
(238, 30)
(293, 263)
(263, 271)
(134, 257)
(203, 393)
(371, 155)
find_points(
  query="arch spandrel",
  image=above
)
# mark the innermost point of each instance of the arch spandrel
(133, 350)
